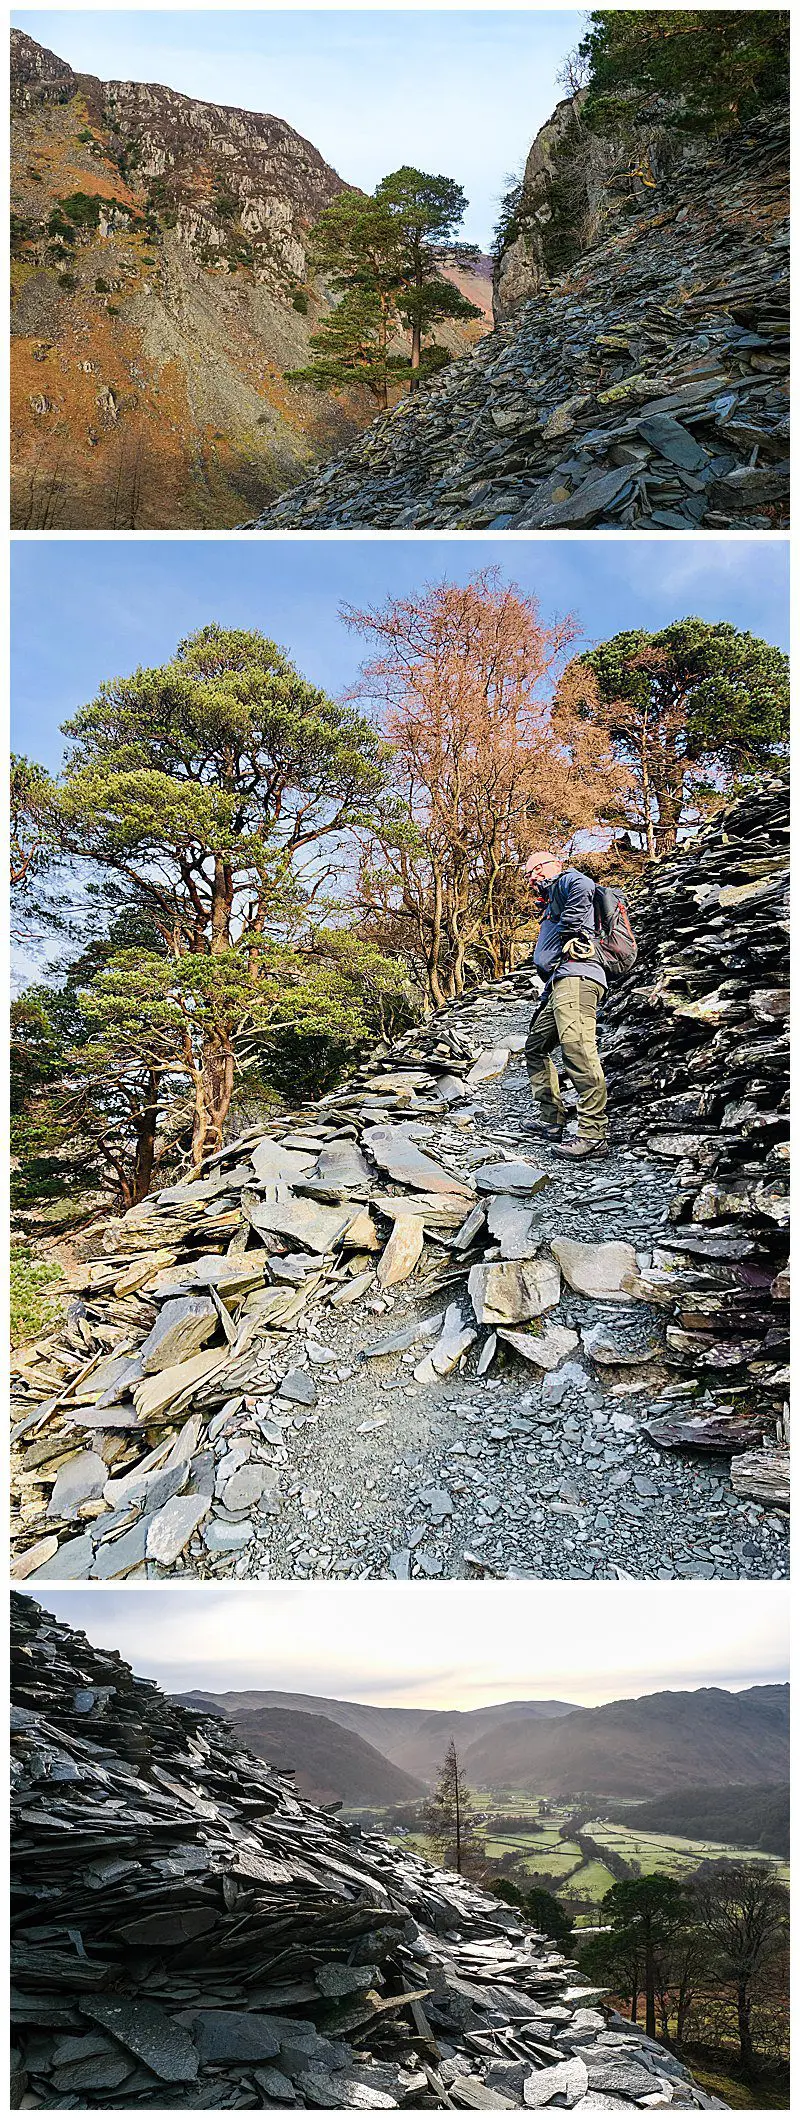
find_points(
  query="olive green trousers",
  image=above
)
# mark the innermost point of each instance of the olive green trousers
(569, 1019)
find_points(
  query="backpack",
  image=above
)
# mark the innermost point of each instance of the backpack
(615, 942)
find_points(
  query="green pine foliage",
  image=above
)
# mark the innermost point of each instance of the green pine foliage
(694, 68)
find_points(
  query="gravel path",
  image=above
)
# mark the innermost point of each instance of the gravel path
(502, 1474)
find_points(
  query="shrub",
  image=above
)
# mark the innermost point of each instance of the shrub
(300, 302)
(82, 208)
(68, 281)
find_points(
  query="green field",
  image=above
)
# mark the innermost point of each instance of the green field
(668, 1852)
(582, 1884)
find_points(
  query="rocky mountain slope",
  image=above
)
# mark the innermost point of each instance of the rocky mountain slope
(642, 1747)
(644, 385)
(329, 1763)
(161, 290)
(188, 1933)
(379, 1335)
(659, 1742)
(414, 1738)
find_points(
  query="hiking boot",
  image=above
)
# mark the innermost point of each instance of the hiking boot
(542, 1132)
(579, 1151)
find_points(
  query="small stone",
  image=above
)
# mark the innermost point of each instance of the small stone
(299, 1387)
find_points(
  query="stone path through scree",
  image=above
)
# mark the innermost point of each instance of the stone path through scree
(504, 1474)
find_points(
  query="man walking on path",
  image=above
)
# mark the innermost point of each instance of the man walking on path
(566, 958)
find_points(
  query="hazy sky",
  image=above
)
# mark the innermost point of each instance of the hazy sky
(449, 1645)
(460, 92)
(112, 604)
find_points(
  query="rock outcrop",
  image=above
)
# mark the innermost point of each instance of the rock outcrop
(189, 1934)
(161, 291)
(577, 187)
(697, 1059)
(645, 386)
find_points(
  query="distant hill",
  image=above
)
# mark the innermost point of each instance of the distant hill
(331, 1764)
(413, 1738)
(749, 1817)
(645, 1747)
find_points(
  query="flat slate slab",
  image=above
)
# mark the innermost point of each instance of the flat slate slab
(394, 1150)
(516, 1177)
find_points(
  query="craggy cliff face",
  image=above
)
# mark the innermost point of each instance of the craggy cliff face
(160, 292)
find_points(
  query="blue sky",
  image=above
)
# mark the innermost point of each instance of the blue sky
(442, 1644)
(459, 93)
(110, 605)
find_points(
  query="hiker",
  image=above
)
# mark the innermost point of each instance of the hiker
(566, 957)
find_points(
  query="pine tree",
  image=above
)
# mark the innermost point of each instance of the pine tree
(426, 211)
(449, 1816)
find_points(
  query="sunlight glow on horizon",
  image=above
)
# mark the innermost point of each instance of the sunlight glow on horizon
(448, 1645)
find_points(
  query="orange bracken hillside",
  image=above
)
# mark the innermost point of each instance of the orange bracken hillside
(160, 291)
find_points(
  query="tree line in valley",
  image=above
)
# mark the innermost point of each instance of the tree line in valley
(240, 883)
(702, 1962)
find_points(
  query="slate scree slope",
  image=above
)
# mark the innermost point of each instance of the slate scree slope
(188, 1933)
(644, 385)
(274, 1368)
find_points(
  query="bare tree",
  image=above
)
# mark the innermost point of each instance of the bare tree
(485, 768)
(744, 1911)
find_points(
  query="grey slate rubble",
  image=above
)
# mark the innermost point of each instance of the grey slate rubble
(696, 1051)
(433, 1347)
(189, 1934)
(646, 387)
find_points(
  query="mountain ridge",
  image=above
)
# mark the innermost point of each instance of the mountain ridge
(642, 1747)
(162, 291)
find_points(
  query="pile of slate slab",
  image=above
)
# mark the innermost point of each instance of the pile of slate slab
(696, 1053)
(148, 1431)
(188, 1934)
(646, 388)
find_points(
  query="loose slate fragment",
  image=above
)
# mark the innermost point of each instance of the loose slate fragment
(393, 1149)
(305, 1222)
(181, 1329)
(546, 1350)
(606, 1271)
(402, 1252)
(567, 2081)
(149, 2033)
(512, 1227)
(488, 1066)
(506, 1294)
(80, 1480)
(510, 1178)
(174, 1525)
(454, 1341)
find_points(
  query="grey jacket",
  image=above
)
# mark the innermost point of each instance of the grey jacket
(570, 911)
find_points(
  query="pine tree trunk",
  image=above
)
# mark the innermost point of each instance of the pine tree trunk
(649, 1992)
(212, 1102)
(416, 331)
(145, 1146)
